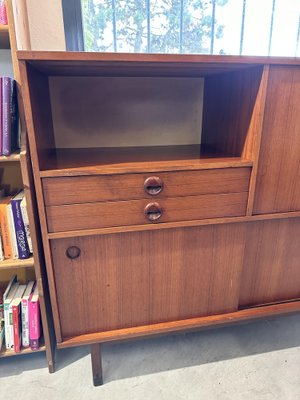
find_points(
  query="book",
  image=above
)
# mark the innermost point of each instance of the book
(26, 222)
(25, 313)
(10, 124)
(19, 228)
(5, 233)
(34, 320)
(16, 318)
(7, 299)
(12, 231)
(1, 250)
(2, 290)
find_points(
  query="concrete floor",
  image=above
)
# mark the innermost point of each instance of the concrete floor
(255, 361)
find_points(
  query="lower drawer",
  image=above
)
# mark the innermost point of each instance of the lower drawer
(135, 212)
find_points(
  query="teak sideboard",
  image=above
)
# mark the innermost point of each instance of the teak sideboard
(168, 190)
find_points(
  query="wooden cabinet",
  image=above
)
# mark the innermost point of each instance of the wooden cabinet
(168, 190)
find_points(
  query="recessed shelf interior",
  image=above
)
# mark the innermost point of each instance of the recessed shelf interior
(106, 120)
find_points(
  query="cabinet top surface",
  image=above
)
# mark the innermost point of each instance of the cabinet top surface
(151, 58)
(62, 63)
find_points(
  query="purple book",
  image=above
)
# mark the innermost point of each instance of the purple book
(9, 116)
(23, 248)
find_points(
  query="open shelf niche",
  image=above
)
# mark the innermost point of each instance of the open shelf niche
(137, 121)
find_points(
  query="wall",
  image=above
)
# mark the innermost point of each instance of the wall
(39, 25)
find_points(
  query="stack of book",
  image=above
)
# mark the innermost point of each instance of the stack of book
(9, 123)
(20, 316)
(15, 239)
(3, 13)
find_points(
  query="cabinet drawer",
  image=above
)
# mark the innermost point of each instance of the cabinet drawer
(135, 212)
(84, 189)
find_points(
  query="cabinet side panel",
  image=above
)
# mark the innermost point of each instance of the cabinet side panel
(141, 278)
(271, 271)
(278, 179)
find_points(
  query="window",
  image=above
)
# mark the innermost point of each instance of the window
(247, 27)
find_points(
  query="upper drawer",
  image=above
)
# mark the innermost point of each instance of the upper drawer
(85, 189)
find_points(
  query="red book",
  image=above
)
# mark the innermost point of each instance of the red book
(16, 317)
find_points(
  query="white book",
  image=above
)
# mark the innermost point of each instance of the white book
(25, 313)
(12, 231)
(7, 299)
(1, 250)
(26, 222)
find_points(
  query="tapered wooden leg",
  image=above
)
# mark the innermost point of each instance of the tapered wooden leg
(96, 364)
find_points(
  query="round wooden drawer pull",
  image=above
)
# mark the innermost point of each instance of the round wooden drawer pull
(153, 211)
(153, 185)
(73, 252)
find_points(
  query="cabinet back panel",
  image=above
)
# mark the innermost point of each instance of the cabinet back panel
(141, 278)
(278, 178)
(126, 111)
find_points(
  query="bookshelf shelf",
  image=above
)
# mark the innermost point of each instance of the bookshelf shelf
(10, 263)
(11, 158)
(4, 37)
(10, 353)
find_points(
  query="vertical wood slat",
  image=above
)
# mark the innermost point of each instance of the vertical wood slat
(30, 111)
(255, 132)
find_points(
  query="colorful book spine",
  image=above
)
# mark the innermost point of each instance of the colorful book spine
(16, 328)
(34, 321)
(26, 222)
(16, 318)
(8, 324)
(12, 231)
(9, 116)
(6, 239)
(25, 314)
(20, 233)
(6, 115)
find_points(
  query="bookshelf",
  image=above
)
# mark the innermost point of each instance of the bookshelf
(164, 206)
(16, 170)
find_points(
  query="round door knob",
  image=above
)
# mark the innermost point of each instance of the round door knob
(153, 211)
(153, 185)
(73, 252)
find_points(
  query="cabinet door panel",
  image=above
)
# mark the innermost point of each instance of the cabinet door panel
(271, 271)
(140, 278)
(278, 179)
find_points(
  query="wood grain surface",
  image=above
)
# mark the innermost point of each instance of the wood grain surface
(278, 178)
(142, 278)
(131, 212)
(84, 189)
(271, 271)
